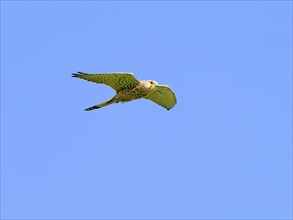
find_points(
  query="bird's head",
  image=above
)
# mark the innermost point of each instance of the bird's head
(152, 84)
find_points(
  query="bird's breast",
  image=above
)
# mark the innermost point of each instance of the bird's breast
(132, 94)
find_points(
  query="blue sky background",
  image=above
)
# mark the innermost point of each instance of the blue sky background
(223, 152)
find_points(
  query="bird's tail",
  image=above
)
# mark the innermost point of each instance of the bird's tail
(103, 104)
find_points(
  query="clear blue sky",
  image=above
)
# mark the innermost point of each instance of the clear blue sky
(223, 152)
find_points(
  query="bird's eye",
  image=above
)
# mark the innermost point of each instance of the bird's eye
(151, 82)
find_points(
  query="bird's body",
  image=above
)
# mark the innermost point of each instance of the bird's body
(137, 92)
(128, 88)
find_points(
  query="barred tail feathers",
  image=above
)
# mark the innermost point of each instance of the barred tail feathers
(103, 104)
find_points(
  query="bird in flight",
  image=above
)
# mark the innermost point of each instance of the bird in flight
(129, 88)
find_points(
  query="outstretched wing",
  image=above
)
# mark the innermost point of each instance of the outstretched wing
(163, 96)
(116, 80)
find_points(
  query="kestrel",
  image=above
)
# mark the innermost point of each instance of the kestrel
(128, 88)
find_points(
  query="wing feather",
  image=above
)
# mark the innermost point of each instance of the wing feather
(116, 80)
(163, 96)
